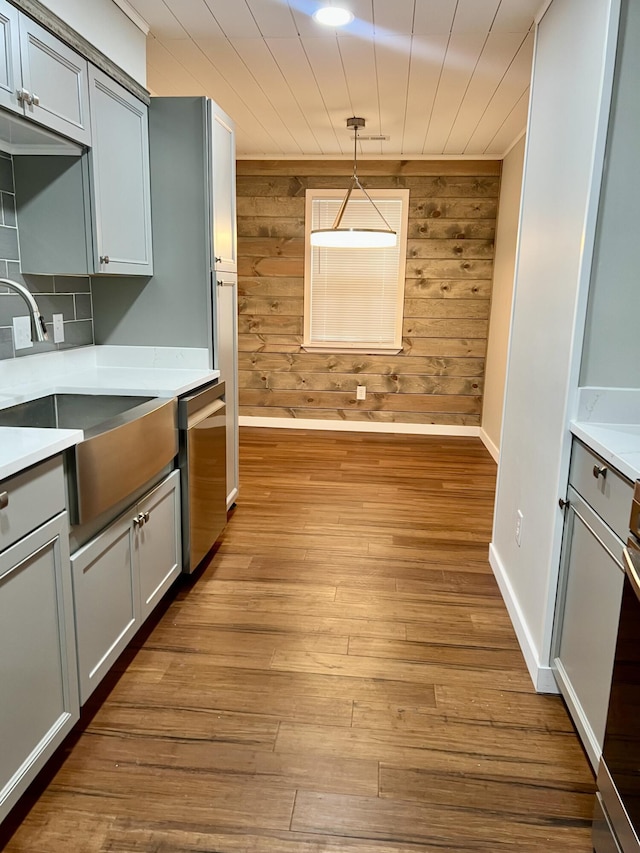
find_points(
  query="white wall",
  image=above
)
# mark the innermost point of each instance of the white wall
(570, 97)
(502, 297)
(107, 27)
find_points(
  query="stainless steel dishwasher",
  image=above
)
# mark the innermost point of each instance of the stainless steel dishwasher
(202, 458)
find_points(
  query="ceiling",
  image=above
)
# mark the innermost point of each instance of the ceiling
(438, 77)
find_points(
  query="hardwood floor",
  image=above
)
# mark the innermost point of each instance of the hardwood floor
(342, 677)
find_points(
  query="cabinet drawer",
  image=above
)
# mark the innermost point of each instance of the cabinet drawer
(33, 497)
(610, 494)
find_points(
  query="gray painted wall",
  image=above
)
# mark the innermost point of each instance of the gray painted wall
(66, 295)
(611, 353)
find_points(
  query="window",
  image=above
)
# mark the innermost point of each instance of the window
(353, 298)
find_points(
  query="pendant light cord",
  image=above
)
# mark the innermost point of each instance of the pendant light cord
(356, 183)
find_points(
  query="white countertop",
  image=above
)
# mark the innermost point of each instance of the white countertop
(608, 421)
(135, 371)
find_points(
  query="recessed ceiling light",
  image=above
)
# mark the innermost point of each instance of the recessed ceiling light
(332, 16)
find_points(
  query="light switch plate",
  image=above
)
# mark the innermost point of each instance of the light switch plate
(22, 332)
(58, 328)
(361, 392)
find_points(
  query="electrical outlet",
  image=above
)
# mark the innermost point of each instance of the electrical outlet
(361, 392)
(518, 528)
(58, 328)
(22, 332)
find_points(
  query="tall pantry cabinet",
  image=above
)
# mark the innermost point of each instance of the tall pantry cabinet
(225, 261)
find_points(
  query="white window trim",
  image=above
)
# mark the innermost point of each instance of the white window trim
(345, 346)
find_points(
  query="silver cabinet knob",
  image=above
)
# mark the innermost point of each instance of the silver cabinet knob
(562, 503)
(23, 96)
(35, 100)
(145, 515)
(4, 500)
(104, 259)
(138, 521)
(599, 471)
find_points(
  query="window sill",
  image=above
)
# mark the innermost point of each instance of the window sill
(355, 350)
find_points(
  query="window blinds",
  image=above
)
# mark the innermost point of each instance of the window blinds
(356, 295)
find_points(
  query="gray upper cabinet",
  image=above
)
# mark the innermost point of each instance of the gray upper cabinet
(105, 195)
(223, 183)
(119, 164)
(10, 74)
(41, 77)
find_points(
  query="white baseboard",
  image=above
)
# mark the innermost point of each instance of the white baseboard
(542, 676)
(493, 449)
(359, 426)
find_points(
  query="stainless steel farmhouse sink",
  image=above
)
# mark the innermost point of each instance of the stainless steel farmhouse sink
(127, 441)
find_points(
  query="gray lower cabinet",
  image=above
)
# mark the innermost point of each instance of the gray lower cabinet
(41, 77)
(158, 542)
(38, 673)
(119, 577)
(590, 593)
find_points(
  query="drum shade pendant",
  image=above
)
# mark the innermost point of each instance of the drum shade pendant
(354, 237)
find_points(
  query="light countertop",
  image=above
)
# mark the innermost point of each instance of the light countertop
(608, 421)
(135, 371)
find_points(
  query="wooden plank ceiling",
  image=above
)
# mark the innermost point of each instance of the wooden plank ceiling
(438, 77)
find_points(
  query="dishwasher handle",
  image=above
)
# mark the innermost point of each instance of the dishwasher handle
(631, 558)
(200, 415)
(191, 405)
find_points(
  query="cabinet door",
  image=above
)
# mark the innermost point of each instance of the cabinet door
(223, 189)
(105, 595)
(39, 693)
(10, 75)
(158, 543)
(55, 77)
(587, 624)
(226, 349)
(119, 161)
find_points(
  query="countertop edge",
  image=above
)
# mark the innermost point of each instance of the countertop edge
(23, 447)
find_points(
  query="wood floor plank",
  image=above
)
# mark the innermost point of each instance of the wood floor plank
(125, 837)
(355, 666)
(340, 677)
(456, 829)
(124, 720)
(454, 746)
(455, 655)
(482, 793)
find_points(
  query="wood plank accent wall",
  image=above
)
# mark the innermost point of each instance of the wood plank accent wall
(438, 377)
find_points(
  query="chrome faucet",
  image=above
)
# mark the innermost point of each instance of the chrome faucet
(37, 320)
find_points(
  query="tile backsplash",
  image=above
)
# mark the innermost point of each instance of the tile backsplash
(66, 295)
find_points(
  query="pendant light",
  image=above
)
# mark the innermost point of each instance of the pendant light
(355, 238)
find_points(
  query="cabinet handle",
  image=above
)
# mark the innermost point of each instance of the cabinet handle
(139, 520)
(104, 259)
(599, 471)
(35, 100)
(4, 500)
(145, 515)
(217, 260)
(225, 283)
(562, 503)
(23, 96)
